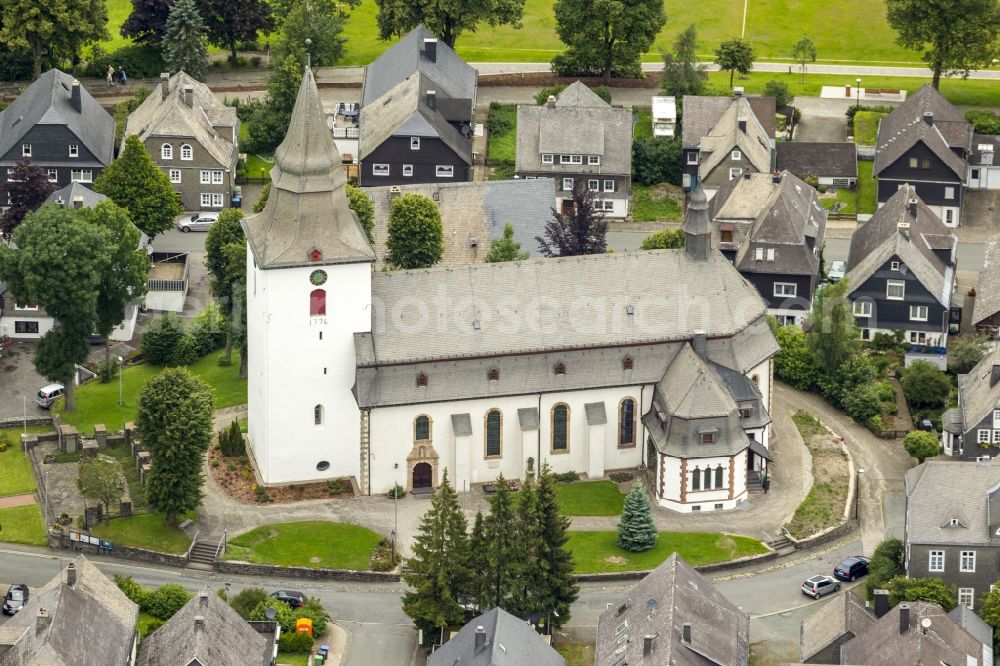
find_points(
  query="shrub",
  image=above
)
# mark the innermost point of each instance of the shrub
(231, 441)
(136, 593)
(166, 600)
(881, 362)
(215, 462)
(921, 445)
(885, 392)
(566, 477)
(883, 341)
(186, 350)
(106, 372)
(664, 239)
(779, 91)
(283, 614)
(161, 338)
(542, 96)
(296, 642)
(246, 600)
(499, 123)
(925, 385)
(340, 486)
(985, 122)
(209, 329)
(382, 558)
(313, 609)
(794, 363)
(397, 492)
(621, 477)
(657, 159)
(153, 625)
(259, 492)
(255, 61)
(965, 351)
(137, 61)
(879, 108)
(863, 404)
(886, 564)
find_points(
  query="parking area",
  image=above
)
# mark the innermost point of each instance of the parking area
(19, 381)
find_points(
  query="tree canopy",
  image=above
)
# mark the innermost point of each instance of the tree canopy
(59, 27)
(224, 233)
(664, 239)
(363, 208)
(136, 184)
(26, 188)
(734, 55)
(506, 248)
(833, 334)
(321, 22)
(416, 236)
(925, 385)
(581, 231)
(965, 351)
(682, 73)
(447, 20)
(184, 42)
(933, 590)
(921, 445)
(147, 23)
(269, 120)
(804, 52)
(230, 23)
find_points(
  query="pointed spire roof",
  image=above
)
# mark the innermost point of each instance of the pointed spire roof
(307, 219)
(696, 218)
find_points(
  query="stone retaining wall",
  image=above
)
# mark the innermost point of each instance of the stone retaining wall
(544, 79)
(704, 568)
(17, 422)
(61, 541)
(249, 569)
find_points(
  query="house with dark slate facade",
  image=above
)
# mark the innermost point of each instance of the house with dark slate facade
(925, 142)
(496, 638)
(418, 104)
(901, 271)
(972, 430)
(952, 529)
(57, 125)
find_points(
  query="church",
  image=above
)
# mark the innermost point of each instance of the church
(657, 360)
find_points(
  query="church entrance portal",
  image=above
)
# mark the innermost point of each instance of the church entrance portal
(422, 475)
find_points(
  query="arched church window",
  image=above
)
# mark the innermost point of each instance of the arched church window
(421, 428)
(318, 415)
(718, 476)
(317, 302)
(494, 424)
(493, 375)
(421, 380)
(560, 428)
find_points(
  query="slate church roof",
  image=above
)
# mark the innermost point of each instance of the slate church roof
(504, 640)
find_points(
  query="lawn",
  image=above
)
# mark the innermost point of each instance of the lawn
(653, 203)
(98, 403)
(866, 127)
(643, 122)
(846, 196)
(144, 530)
(142, 623)
(23, 524)
(258, 166)
(576, 654)
(314, 543)
(598, 551)
(867, 187)
(502, 146)
(590, 498)
(289, 659)
(17, 477)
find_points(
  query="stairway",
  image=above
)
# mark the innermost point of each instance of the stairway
(753, 482)
(203, 555)
(783, 545)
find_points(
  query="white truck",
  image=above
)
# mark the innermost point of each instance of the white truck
(664, 116)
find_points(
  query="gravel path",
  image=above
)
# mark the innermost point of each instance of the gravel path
(17, 500)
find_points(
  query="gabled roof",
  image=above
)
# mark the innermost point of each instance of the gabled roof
(691, 390)
(208, 630)
(474, 210)
(975, 395)
(403, 111)
(47, 102)
(307, 209)
(660, 605)
(987, 301)
(71, 192)
(579, 95)
(843, 614)
(726, 135)
(507, 641)
(702, 113)
(879, 239)
(835, 159)
(169, 117)
(448, 73)
(938, 491)
(791, 215)
(907, 125)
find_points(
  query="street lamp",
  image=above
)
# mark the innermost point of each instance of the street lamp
(227, 590)
(857, 87)
(121, 403)
(395, 510)
(857, 495)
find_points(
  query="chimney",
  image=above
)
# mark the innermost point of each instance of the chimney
(746, 173)
(42, 620)
(738, 91)
(911, 207)
(929, 117)
(71, 567)
(199, 622)
(686, 633)
(203, 599)
(698, 343)
(881, 602)
(431, 48)
(994, 375)
(647, 642)
(395, 192)
(77, 203)
(432, 99)
(164, 85)
(551, 102)
(480, 639)
(776, 177)
(904, 618)
(74, 97)
(742, 122)
(189, 95)
(904, 229)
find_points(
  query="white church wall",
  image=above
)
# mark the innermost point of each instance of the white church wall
(763, 374)
(704, 500)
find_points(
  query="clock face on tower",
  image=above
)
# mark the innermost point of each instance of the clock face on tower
(317, 277)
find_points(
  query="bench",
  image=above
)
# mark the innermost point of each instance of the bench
(186, 524)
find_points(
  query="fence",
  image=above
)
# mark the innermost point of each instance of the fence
(346, 133)
(170, 285)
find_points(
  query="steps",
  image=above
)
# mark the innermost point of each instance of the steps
(754, 485)
(203, 555)
(783, 545)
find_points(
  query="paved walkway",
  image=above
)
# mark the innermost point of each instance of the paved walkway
(17, 500)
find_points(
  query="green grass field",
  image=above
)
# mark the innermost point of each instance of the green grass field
(23, 524)
(289, 659)
(590, 498)
(649, 206)
(315, 543)
(502, 146)
(98, 403)
(867, 187)
(17, 477)
(598, 551)
(846, 196)
(643, 126)
(145, 530)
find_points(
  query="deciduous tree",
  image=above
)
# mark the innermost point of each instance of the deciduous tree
(236, 260)
(269, 122)
(989, 611)
(104, 482)
(416, 237)
(174, 420)
(933, 590)
(921, 445)
(605, 37)
(682, 73)
(56, 27)
(136, 184)
(506, 248)
(925, 385)
(665, 239)
(804, 52)
(362, 206)
(956, 36)
(886, 564)
(26, 188)
(965, 351)
(734, 55)
(148, 21)
(581, 231)
(184, 42)
(447, 20)
(636, 529)
(833, 334)
(657, 159)
(319, 21)
(226, 231)
(779, 91)
(230, 23)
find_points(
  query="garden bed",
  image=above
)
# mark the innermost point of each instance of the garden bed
(824, 506)
(235, 477)
(595, 552)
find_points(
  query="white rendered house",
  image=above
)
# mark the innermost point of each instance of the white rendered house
(396, 376)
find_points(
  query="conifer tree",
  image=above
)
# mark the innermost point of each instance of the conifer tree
(560, 589)
(527, 590)
(636, 529)
(438, 573)
(477, 561)
(184, 44)
(503, 550)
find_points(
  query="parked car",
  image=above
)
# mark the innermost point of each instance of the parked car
(817, 586)
(852, 568)
(15, 599)
(202, 221)
(47, 395)
(926, 424)
(291, 597)
(838, 269)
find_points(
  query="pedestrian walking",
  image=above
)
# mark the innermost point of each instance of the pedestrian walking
(123, 76)
(110, 76)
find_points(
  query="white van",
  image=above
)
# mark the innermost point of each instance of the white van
(48, 395)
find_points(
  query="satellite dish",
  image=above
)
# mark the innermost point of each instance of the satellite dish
(903, 269)
(466, 130)
(270, 613)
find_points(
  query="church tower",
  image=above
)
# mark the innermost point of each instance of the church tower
(309, 268)
(697, 228)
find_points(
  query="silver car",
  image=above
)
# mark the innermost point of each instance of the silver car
(838, 269)
(198, 222)
(817, 586)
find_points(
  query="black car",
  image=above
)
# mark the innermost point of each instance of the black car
(852, 568)
(291, 597)
(15, 598)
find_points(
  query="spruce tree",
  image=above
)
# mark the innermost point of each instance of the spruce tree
(560, 588)
(503, 549)
(438, 573)
(184, 44)
(477, 562)
(527, 590)
(636, 529)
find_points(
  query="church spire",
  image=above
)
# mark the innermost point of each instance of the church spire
(307, 218)
(697, 230)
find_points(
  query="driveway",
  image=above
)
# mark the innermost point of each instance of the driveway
(821, 128)
(19, 381)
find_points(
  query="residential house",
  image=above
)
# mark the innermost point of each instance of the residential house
(925, 142)
(845, 630)
(952, 529)
(496, 638)
(473, 214)
(418, 102)
(984, 167)
(832, 164)
(972, 430)
(673, 616)
(901, 271)
(986, 307)
(192, 137)
(780, 242)
(78, 618)
(206, 631)
(58, 126)
(722, 136)
(578, 138)
(28, 321)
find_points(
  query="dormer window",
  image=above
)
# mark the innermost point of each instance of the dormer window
(547, 158)
(708, 438)
(560, 368)
(315, 255)
(421, 380)
(627, 363)
(493, 375)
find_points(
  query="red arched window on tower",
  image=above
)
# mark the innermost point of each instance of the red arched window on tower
(317, 302)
